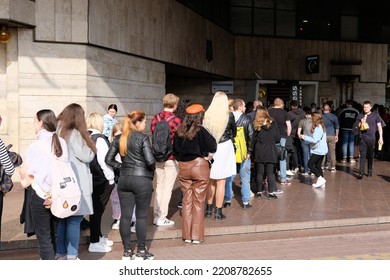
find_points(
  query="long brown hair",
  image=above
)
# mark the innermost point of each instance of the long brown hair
(316, 119)
(128, 127)
(73, 117)
(49, 122)
(262, 118)
(190, 126)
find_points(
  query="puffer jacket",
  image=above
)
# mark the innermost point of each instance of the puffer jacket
(138, 160)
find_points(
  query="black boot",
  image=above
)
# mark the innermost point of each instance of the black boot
(209, 210)
(218, 214)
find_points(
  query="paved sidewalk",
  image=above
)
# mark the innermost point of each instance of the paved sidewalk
(345, 201)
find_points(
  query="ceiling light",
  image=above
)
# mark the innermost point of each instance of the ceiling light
(5, 35)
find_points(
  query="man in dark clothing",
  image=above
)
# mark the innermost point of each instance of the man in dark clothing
(256, 104)
(296, 114)
(347, 118)
(367, 137)
(282, 119)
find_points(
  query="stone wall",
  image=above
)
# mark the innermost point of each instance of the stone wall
(54, 75)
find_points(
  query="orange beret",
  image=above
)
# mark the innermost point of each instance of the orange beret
(194, 109)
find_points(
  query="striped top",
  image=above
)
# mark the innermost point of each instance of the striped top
(5, 161)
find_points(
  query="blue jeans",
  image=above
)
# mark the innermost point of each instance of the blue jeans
(282, 163)
(68, 236)
(245, 177)
(348, 143)
(306, 155)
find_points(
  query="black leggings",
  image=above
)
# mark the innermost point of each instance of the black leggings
(100, 196)
(314, 164)
(134, 190)
(269, 169)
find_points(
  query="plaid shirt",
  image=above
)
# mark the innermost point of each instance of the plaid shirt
(173, 124)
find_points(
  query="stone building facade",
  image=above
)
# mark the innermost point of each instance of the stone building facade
(98, 52)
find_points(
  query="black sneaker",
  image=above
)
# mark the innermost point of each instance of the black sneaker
(258, 195)
(127, 255)
(180, 204)
(143, 255)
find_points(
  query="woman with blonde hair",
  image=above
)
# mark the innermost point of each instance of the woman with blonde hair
(135, 183)
(102, 182)
(73, 128)
(265, 137)
(220, 122)
(318, 148)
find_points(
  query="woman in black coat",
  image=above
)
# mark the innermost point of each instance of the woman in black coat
(264, 153)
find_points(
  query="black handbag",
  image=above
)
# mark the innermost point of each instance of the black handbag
(281, 152)
(6, 183)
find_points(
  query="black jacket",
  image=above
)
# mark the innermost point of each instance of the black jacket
(139, 159)
(230, 131)
(264, 144)
(247, 123)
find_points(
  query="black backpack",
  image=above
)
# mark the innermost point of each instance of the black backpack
(161, 140)
(94, 166)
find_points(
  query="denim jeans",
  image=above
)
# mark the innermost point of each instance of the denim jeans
(282, 163)
(245, 177)
(229, 188)
(68, 236)
(348, 143)
(306, 155)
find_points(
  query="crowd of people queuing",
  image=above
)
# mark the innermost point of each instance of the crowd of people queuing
(116, 161)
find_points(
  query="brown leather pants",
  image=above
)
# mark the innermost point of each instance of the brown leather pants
(194, 177)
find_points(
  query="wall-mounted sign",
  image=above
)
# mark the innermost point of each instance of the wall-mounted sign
(225, 86)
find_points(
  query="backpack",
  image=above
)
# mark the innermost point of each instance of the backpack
(65, 194)
(94, 166)
(161, 140)
(240, 144)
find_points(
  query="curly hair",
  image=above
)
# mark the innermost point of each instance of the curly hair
(190, 126)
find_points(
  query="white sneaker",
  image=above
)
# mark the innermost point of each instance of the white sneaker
(132, 227)
(320, 182)
(164, 222)
(290, 173)
(105, 241)
(115, 224)
(99, 247)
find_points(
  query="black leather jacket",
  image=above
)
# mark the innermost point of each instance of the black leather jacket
(139, 159)
(230, 131)
(247, 123)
